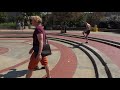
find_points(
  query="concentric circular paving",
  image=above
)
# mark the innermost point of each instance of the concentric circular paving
(3, 50)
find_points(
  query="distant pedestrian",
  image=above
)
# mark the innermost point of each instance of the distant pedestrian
(18, 25)
(22, 24)
(65, 28)
(86, 32)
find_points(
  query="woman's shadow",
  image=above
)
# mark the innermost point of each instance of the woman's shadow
(13, 74)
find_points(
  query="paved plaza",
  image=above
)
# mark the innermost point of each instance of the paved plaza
(66, 60)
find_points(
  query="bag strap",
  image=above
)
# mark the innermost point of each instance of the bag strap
(46, 40)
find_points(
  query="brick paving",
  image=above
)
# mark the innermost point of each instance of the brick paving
(63, 62)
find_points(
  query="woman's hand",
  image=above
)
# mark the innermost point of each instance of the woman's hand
(38, 57)
(31, 50)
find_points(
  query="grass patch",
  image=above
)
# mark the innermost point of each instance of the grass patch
(8, 25)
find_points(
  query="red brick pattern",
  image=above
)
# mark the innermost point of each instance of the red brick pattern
(112, 52)
(3, 50)
(67, 64)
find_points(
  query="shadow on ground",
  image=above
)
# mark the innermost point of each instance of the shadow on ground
(113, 31)
(13, 74)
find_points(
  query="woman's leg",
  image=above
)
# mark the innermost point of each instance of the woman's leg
(44, 61)
(32, 64)
(47, 71)
(29, 73)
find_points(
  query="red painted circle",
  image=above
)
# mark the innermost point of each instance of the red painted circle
(3, 50)
(67, 68)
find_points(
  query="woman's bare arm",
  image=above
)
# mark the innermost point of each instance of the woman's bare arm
(40, 39)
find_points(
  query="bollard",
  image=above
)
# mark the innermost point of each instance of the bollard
(62, 31)
(95, 28)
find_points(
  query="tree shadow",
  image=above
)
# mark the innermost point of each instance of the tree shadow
(13, 74)
(114, 31)
(118, 32)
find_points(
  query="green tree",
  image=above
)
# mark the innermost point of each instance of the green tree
(94, 17)
(3, 17)
(33, 13)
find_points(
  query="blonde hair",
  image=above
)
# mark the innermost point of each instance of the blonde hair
(37, 19)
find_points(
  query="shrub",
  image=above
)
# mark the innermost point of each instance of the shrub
(8, 25)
